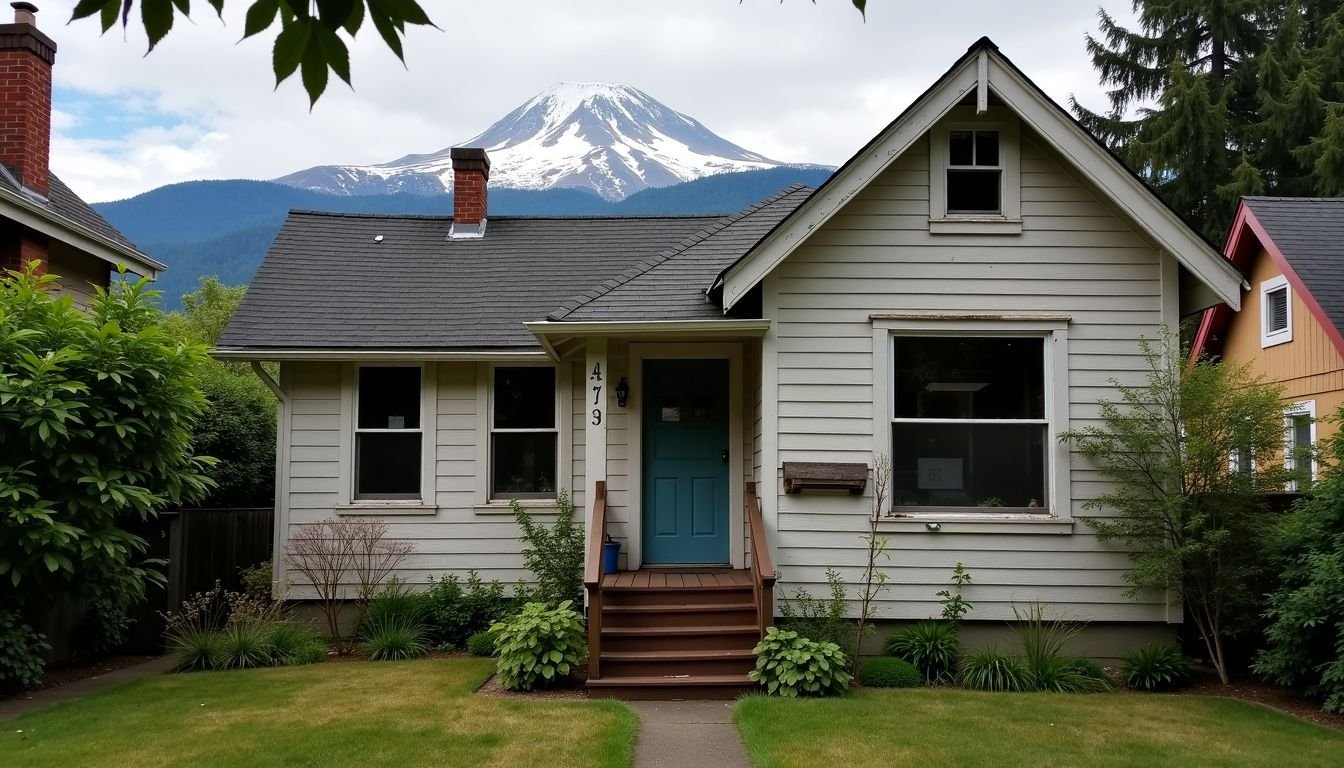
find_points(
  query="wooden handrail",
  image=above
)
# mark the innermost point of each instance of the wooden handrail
(592, 579)
(762, 567)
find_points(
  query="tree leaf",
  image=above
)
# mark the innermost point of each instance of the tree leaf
(289, 49)
(86, 8)
(260, 16)
(157, 16)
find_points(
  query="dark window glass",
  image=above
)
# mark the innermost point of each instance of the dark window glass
(968, 465)
(973, 191)
(387, 465)
(961, 147)
(939, 377)
(389, 398)
(525, 398)
(986, 148)
(1277, 314)
(522, 464)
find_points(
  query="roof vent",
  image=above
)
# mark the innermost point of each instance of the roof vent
(377, 238)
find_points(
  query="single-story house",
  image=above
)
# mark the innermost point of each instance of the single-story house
(42, 219)
(715, 391)
(1288, 331)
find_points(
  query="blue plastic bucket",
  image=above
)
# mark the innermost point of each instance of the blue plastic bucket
(611, 552)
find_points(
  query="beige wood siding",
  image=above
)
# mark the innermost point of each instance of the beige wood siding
(78, 273)
(1074, 256)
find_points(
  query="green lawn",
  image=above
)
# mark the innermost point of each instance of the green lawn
(937, 727)
(415, 713)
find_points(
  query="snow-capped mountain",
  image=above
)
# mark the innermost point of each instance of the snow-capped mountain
(612, 139)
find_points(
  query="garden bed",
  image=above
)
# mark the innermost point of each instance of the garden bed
(1206, 683)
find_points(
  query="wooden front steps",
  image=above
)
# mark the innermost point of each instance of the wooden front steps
(676, 635)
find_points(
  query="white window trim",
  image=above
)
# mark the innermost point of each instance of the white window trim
(346, 503)
(1059, 503)
(1009, 219)
(485, 417)
(1303, 408)
(1267, 287)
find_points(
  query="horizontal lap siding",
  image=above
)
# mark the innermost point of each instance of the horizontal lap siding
(877, 255)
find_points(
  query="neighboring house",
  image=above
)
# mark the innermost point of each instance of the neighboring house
(962, 290)
(1291, 250)
(41, 219)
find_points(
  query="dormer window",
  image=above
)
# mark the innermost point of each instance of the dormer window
(974, 173)
(1276, 312)
(975, 178)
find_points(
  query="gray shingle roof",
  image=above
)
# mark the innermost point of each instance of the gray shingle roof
(62, 201)
(325, 283)
(672, 285)
(1309, 232)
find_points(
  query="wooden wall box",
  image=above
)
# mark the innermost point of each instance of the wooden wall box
(816, 475)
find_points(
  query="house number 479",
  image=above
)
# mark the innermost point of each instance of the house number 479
(596, 378)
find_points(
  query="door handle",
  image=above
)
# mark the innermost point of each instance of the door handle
(724, 455)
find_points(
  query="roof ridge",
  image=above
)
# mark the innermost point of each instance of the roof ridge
(518, 217)
(1294, 198)
(641, 267)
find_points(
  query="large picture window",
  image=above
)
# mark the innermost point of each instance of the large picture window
(524, 433)
(388, 433)
(969, 425)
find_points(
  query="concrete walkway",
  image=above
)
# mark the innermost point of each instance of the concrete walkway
(34, 700)
(687, 734)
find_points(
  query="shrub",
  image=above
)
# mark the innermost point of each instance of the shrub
(481, 644)
(243, 645)
(393, 638)
(455, 610)
(988, 669)
(820, 619)
(1094, 673)
(1155, 668)
(538, 646)
(395, 601)
(932, 646)
(22, 652)
(194, 649)
(554, 555)
(103, 628)
(792, 666)
(258, 581)
(1044, 640)
(288, 642)
(889, 672)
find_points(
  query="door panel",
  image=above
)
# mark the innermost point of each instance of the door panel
(685, 436)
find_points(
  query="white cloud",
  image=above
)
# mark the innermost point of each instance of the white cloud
(795, 81)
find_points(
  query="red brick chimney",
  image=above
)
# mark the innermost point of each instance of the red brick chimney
(26, 56)
(471, 173)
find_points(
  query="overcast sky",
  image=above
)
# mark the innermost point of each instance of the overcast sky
(793, 80)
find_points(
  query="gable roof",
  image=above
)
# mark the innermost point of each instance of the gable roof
(1305, 238)
(325, 283)
(1088, 156)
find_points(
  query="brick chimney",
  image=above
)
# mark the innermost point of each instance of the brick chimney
(26, 56)
(471, 173)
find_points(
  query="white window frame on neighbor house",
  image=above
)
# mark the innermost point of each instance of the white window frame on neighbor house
(1268, 337)
(1008, 219)
(1057, 506)
(487, 502)
(348, 503)
(1290, 413)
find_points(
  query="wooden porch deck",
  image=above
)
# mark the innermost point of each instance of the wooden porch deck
(679, 578)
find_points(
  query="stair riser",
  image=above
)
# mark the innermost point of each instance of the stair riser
(742, 641)
(676, 596)
(670, 693)
(651, 668)
(679, 619)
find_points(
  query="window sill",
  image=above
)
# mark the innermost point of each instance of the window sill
(497, 507)
(374, 508)
(1273, 341)
(975, 522)
(975, 225)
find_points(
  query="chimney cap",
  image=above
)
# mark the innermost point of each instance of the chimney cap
(469, 154)
(23, 13)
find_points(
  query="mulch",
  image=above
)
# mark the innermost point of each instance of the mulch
(55, 678)
(1206, 683)
(569, 689)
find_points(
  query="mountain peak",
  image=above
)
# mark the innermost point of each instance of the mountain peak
(609, 138)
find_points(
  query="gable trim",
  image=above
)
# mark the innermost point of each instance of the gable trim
(32, 215)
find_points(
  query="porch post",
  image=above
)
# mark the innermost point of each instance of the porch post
(597, 387)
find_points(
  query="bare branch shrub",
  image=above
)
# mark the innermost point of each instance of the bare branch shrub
(874, 578)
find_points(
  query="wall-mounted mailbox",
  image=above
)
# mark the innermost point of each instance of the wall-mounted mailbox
(816, 475)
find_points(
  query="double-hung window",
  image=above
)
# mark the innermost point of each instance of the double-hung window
(969, 423)
(974, 173)
(389, 434)
(1276, 312)
(1299, 443)
(524, 433)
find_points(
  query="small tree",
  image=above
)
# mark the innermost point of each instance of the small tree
(554, 555)
(1190, 456)
(874, 578)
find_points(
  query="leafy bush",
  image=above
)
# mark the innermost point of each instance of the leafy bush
(820, 619)
(392, 638)
(792, 666)
(258, 581)
(481, 644)
(456, 610)
(538, 646)
(289, 642)
(889, 672)
(22, 652)
(554, 555)
(932, 646)
(988, 669)
(103, 628)
(1155, 668)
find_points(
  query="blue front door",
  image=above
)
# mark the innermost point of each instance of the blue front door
(685, 454)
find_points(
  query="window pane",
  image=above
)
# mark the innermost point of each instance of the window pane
(940, 377)
(387, 465)
(960, 147)
(525, 398)
(389, 398)
(522, 464)
(973, 191)
(987, 148)
(968, 465)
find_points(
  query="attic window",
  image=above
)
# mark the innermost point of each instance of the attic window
(974, 173)
(1276, 312)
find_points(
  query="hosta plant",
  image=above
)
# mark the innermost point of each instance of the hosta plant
(792, 666)
(538, 646)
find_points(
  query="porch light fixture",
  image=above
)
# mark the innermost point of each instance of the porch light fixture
(622, 392)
